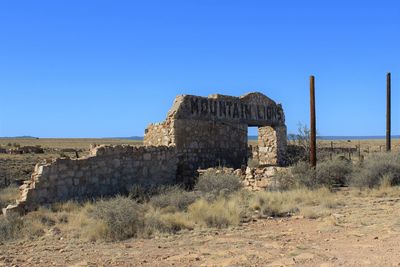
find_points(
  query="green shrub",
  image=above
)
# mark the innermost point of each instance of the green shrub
(377, 169)
(213, 184)
(122, 217)
(328, 173)
(304, 175)
(174, 196)
(300, 175)
(334, 172)
(295, 153)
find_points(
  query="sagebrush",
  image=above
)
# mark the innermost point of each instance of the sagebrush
(377, 169)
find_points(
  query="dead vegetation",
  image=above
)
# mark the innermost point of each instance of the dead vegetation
(170, 211)
(218, 201)
(8, 195)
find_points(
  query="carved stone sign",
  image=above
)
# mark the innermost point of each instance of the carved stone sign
(253, 109)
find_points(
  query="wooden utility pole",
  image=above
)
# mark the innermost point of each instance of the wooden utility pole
(388, 112)
(313, 131)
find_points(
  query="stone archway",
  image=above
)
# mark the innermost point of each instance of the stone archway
(212, 131)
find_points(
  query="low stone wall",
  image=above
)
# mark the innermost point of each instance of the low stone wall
(254, 179)
(257, 179)
(108, 170)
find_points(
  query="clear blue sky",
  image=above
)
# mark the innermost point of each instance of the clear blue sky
(72, 68)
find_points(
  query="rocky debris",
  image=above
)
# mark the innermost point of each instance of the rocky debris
(255, 179)
(198, 132)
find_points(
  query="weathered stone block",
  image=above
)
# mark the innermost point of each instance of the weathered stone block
(147, 156)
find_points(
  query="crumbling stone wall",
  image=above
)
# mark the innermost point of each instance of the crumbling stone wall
(107, 171)
(160, 134)
(212, 131)
(199, 132)
(254, 178)
(203, 144)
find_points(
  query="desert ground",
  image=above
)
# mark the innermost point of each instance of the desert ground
(363, 232)
(356, 227)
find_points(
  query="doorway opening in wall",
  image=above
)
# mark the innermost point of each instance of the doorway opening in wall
(252, 141)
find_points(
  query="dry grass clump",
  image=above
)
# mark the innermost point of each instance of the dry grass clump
(385, 191)
(10, 227)
(175, 197)
(158, 222)
(378, 169)
(120, 217)
(8, 195)
(69, 206)
(32, 225)
(81, 224)
(213, 184)
(36, 222)
(287, 203)
(218, 203)
(139, 193)
(314, 212)
(220, 213)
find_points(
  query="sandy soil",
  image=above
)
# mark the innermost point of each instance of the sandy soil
(366, 232)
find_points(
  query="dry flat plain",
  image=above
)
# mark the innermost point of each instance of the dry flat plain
(19, 167)
(363, 230)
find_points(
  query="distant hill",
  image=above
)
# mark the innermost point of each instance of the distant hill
(19, 137)
(250, 137)
(136, 138)
(366, 137)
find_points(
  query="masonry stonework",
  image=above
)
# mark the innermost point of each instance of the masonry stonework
(198, 133)
(272, 145)
(213, 131)
(108, 170)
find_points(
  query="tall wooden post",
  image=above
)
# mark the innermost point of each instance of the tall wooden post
(313, 131)
(388, 112)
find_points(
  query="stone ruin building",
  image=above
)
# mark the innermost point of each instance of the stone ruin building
(213, 131)
(198, 133)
